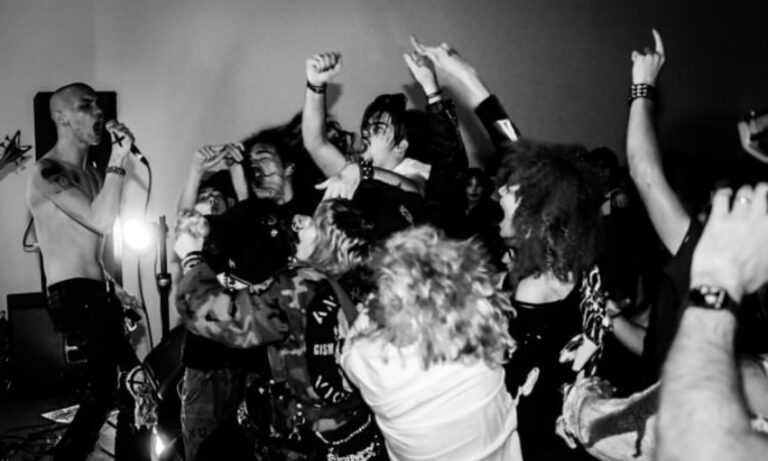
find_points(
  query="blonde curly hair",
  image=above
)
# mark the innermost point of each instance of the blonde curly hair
(440, 294)
(344, 237)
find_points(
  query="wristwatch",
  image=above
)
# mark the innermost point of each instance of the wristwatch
(711, 297)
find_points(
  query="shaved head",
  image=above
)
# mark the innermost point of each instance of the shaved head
(75, 111)
(62, 98)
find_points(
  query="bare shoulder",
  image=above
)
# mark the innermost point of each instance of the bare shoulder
(51, 176)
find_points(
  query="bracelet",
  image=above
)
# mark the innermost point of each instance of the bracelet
(641, 90)
(366, 170)
(434, 94)
(319, 89)
(120, 171)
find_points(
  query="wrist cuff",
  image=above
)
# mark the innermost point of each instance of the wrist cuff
(192, 259)
(319, 89)
(641, 90)
(115, 170)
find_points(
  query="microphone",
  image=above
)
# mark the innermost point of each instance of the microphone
(134, 150)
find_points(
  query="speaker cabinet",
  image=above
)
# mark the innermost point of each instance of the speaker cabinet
(42, 361)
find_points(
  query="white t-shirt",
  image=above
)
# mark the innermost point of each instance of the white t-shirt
(450, 411)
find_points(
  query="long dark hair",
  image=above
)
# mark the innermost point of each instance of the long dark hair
(557, 225)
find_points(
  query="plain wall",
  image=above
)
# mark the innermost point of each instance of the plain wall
(188, 73)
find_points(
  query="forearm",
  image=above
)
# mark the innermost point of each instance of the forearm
(106, 205)
(667, 214)
(446, 147)
(702, 413)
(475, 91)
(496, 122)
(188, 196)
(394, 179)
(629, 334)
(324, 154)
(445, 191)
(239, 183)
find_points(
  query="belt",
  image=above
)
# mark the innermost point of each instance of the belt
(79, 290)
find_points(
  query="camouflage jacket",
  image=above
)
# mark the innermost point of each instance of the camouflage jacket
(276, 313)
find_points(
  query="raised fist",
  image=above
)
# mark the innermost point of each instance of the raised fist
(323, 67)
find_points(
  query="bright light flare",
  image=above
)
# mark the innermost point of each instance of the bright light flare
(139, 235)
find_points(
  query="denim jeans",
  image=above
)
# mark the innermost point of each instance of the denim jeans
(208, 399)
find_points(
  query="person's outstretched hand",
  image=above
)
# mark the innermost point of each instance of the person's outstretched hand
(733, 250)
(422, 70)
(445, 58)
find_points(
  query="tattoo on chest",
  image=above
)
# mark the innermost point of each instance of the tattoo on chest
(64, 178)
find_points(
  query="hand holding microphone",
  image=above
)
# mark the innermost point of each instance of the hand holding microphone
(124, 141)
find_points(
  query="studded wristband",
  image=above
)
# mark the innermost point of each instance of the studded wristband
(366, 170)
(641, 90)
(115, 170)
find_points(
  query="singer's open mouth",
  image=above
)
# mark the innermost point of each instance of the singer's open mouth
(98, 126)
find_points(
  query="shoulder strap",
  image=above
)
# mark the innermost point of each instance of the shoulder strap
(346, 304)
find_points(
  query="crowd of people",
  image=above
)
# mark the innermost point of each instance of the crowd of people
(368, 296)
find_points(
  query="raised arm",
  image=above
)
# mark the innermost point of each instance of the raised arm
(53, 181)
(703, 415)
(445, 192)
(321, 69)
(667, 214)
(208, 159)
(487, 106)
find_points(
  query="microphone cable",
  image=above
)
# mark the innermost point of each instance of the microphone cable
(138, 261)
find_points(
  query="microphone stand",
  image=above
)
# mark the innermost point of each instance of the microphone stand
(163, 278)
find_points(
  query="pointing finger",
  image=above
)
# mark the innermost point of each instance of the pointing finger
(416, 44)
(658, 42)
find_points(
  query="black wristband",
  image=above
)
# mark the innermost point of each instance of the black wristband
(115, 169)
(641, 90)
(319, 89)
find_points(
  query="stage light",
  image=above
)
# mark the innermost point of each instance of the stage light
(158, 443)
(139, 235)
